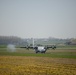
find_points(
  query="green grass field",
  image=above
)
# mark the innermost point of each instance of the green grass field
(60, 52)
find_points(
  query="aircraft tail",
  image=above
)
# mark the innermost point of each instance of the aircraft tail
(33, 43)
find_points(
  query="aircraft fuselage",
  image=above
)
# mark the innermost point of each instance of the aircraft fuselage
(40, 49)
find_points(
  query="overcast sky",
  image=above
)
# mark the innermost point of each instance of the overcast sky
(38, 18)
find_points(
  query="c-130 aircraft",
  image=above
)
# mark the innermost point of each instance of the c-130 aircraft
(39, 49)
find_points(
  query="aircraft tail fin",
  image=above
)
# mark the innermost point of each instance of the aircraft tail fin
(33, 43)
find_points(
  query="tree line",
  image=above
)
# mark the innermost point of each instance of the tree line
(5, 40)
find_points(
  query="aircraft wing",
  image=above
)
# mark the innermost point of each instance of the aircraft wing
(53, 47)
(28, 47)
(23, 47)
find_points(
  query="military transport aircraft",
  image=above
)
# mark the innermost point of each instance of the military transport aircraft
(40, 49)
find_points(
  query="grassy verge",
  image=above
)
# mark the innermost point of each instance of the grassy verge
(53, 54)
(58, 53)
